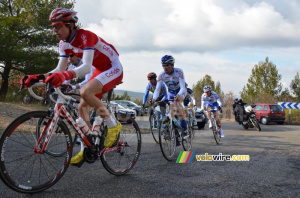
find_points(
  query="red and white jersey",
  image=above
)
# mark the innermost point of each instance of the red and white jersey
(104, 53)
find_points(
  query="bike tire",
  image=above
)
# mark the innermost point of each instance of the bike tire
(167, 141)
(122, 157)
(256, 124)
(154, 131)
(216, 132)
(187, 139)
(24, 170)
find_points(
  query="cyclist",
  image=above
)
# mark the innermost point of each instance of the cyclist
(211, 100)
(189, 102)
(162, 94)
(93, 50)
(174, 80)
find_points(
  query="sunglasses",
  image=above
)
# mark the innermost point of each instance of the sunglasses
(57, 26)
(71, 55)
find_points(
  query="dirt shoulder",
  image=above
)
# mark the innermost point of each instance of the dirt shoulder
(10, 111)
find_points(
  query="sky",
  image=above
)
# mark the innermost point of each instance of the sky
(223, 39)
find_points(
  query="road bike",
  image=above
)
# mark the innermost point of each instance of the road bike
(215, 127)
(30, 163)
(155, 121)
(171, 135)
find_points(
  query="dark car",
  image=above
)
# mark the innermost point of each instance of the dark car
(200, 118)
(266, 113)
(123, 114)
(131, 105)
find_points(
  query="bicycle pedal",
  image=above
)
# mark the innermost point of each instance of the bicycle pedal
(79, 164)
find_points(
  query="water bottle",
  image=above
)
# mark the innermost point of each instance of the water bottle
(83, 126)
(96, 125)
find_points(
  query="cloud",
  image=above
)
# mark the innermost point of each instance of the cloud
(192, 24)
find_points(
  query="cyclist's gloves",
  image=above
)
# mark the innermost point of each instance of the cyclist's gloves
(29, 80)
(57, 79)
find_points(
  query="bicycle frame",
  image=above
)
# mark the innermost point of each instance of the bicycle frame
(59, 110)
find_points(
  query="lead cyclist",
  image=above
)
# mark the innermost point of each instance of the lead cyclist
(174, 80)
(211, 100)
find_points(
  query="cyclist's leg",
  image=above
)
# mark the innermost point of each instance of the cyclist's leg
(163, 108)
(181, 112)
(100, 83)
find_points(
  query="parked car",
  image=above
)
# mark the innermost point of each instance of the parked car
(131, 105)
(266, 113)
(200, 118)
(123, 114)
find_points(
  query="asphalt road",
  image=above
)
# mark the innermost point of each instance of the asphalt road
(273, 169)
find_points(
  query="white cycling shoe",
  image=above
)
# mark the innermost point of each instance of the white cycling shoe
(222, 133)
(210, 126)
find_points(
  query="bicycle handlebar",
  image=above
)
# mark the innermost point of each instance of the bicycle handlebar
(32, 92)
(58, 91)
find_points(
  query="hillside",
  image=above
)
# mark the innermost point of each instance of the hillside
(132, 94)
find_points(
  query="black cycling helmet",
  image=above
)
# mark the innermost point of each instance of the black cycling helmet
(240, 100)
(190, 91)
(167, 59)
(236, 100)
(151, 75)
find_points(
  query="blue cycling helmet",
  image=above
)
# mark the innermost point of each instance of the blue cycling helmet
(167, 59)
(190, 91)
(207, 88)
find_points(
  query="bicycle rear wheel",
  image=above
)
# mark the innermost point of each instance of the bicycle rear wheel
(24, 170)
(216, 131)
(154, 127)
(121, 158)
(167, 141)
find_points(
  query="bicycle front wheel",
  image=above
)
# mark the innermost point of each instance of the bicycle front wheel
(167, 141)
(24, 170)
(121, 158)
(154, 127)
(187, 139)
(216, 131)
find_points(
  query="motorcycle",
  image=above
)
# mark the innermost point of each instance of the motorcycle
(200, 118)
(250, 118)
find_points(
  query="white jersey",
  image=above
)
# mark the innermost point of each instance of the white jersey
(175, 82)
(211, 99)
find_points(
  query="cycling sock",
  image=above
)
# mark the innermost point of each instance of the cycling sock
(81, 146)
(110, 122)
(183, 124)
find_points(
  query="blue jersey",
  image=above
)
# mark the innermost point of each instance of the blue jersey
(151, 88)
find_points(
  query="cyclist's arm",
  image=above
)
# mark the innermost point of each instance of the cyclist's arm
(146, 96)
(182, 84)
(87, 78)
(62, 64)
(158, 87)
(87, 61)
(165, 93)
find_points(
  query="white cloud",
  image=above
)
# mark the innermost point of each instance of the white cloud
(191, 25)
